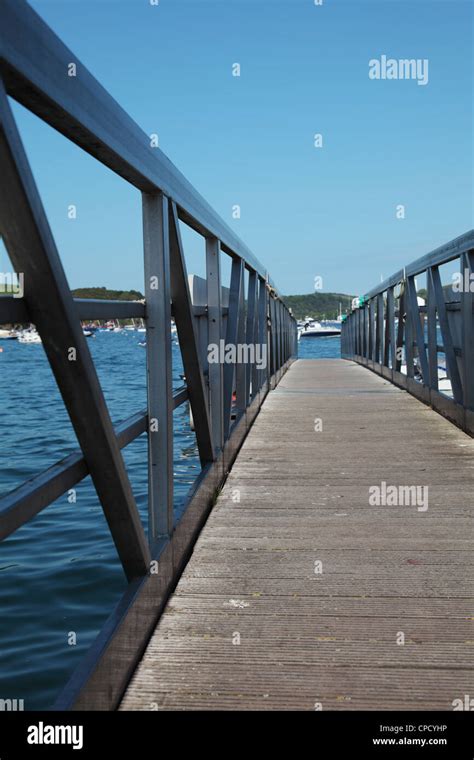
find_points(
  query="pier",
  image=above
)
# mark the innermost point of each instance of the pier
(323, 560)
(302, 595)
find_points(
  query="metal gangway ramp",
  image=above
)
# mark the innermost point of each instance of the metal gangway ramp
(323, 558)
(300, 594)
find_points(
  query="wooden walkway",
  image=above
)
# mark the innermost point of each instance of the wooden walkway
(326, 639)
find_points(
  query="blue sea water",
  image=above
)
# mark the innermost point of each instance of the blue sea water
(59, 574)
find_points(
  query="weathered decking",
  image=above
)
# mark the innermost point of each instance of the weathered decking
(330, 637)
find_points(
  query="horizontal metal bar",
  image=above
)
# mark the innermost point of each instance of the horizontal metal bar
(14, 310)
(35, 494)
(201, 311)
(180, 396)
(91, 308)
(34, 64)
(20, 505)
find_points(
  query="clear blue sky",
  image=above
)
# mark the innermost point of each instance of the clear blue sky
(249, 140)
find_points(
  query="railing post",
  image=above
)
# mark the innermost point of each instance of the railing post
(367, 348)
(432, 335)
(214, 335)
(467, 303)
(233, 321)
(380, 319)
(417, 330)
(391, 328)
(241, 369)
(371, 331)
(250, 333)
(451, 362)
(159, 366)
(409, 353)
(263, 329)
(272, 335)
(189, 340)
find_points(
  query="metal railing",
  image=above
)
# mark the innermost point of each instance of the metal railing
(402, 336)
(34, 66)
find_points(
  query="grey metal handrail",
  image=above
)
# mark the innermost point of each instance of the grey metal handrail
(399, 338)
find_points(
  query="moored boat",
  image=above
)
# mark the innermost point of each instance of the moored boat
(29, 336)
(8, 334)
(314, 329)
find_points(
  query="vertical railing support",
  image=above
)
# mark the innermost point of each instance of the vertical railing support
(236, 286)
(159, 365)
(263, 330)
(451, 362)
(416, 329)
(250, 333)
(391, 328)
(214, 335)
(467, 303)
(432, 336)
(380, 320)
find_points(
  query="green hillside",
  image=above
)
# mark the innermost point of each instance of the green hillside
(108, 295)
(318, 305)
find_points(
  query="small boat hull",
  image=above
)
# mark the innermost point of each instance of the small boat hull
(319, 333)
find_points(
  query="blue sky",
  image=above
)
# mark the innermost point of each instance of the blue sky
(248, 140)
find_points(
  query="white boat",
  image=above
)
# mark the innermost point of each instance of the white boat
(8, 335)
(29, 336)
(313, 329)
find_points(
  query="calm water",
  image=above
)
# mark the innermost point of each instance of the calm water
(59, 574)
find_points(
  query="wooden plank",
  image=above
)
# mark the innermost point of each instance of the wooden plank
(32, 251)
(251, 625)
